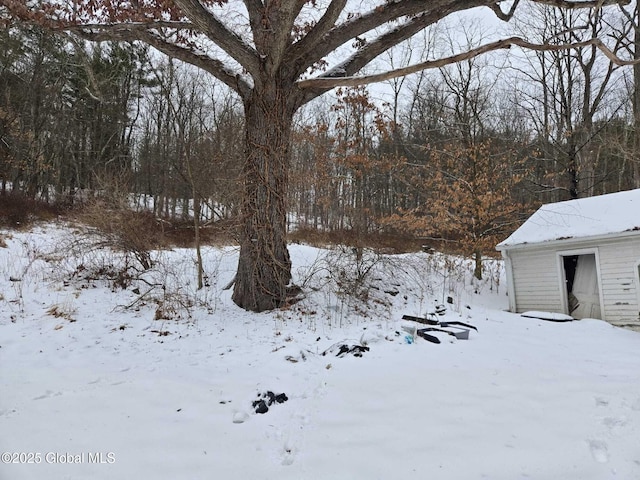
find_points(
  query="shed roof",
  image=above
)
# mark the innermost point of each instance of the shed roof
(581, 218)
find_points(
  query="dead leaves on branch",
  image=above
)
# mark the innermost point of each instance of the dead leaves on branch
(471, 195)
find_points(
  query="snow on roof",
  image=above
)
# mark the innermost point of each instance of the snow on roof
(580, 218)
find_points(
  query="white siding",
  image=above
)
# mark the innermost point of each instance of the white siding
(535, 278)
(618, 262)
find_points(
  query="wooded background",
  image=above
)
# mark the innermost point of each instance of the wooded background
(460, 154)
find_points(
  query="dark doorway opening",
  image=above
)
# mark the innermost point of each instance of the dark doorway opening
(570, 263)
(582, 286)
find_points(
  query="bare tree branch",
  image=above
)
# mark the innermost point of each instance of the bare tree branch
(315, 35)
(386, 41)
(255, 9)
(332, 82)
(119, 27)
(579, 5)
(504, 16)
(280, 15)
(369, 52)
(375, 18)
(391, 11)
(213, 66)
(229, 41)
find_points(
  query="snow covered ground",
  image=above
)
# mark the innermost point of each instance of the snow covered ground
(90, 389)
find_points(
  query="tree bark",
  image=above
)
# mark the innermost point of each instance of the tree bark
(477, 272)
(264, 266)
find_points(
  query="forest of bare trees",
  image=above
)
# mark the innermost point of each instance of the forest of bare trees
(458, 154)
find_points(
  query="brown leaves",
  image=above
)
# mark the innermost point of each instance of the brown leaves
(470, 195)
(54, 14)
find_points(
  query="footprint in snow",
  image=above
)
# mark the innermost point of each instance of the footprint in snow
(240, 417)
(599, 450)
(601, 402)
(614, 422)
(288, 454)
(47, 394)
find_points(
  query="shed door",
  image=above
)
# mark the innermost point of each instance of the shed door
(585, 288)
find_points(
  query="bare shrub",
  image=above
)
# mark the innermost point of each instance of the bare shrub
(17, 210)
(112, 224)
(352, 270)
(350, 278)
(163, 287)
(173, 305)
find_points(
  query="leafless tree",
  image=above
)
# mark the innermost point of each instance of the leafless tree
(276, 55)
(570, 96)
(632, 31)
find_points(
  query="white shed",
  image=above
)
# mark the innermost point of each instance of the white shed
(579, 257)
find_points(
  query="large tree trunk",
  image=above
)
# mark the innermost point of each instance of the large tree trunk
(264, 266)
